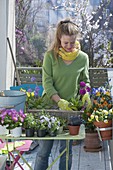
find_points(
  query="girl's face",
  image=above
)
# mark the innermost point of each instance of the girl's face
(68, 42)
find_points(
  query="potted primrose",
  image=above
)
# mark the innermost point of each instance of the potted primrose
(29, 125)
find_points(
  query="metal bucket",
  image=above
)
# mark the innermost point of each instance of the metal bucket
(12, 99)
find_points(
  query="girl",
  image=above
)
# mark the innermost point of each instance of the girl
(64, 66)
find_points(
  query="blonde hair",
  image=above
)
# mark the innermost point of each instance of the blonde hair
(65, 27)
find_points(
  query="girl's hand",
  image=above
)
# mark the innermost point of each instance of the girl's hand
(64, 105)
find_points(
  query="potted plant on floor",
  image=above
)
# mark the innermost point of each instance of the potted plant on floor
(102, 111)
(102, 119)
(29, 125)
(92, 142)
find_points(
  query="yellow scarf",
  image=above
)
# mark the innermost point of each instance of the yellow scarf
(68, 55)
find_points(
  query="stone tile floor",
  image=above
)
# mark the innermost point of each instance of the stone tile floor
(81, 160)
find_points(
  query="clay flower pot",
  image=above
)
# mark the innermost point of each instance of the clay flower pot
(74, 125)
(73, 130)
(105, 129)
(92, 142)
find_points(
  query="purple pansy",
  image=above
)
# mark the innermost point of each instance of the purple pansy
(29, 90)
(82, 91)
(88, 89)
(35, 93)
(33, 79)
(82, 84)
(37, 88)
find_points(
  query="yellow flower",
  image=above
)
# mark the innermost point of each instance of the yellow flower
(111, 111)
(98, 93)
(89, 119)
(105, 112)
(92, 116)
(86, 98)
(108, 93)
(32, 94)
(28, 94)
(96, 117)
(22, 90)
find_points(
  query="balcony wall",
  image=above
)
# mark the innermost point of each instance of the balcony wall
(7, 29)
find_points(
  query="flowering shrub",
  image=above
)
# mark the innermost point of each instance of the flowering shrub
(11, 118)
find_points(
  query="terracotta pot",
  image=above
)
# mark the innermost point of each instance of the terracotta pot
(92, 142)
(106, 134)
(73, 130)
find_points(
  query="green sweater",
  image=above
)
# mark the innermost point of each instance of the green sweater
(62, 79)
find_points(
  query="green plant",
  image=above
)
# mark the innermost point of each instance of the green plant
(63, 122)
(37, 103)
(34, 100)
(29, 121)
(42, 122)
(11, 118)
(82, 100)
(76, 104)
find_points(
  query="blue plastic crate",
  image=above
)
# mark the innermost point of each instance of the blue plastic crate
(28, 86)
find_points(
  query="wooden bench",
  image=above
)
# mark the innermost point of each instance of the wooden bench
(98, 76)
(26, 73)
